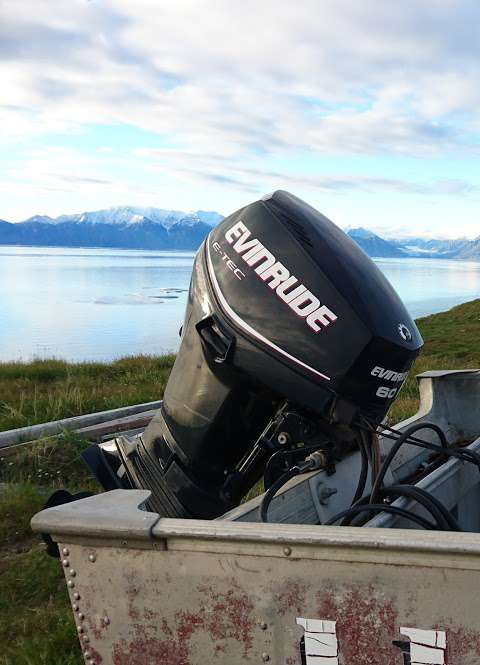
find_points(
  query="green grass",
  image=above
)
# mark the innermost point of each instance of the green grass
(46, 390)
(36, 623)
(36, 626)
(452, 341)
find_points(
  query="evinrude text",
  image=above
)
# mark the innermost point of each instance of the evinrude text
(286, 286)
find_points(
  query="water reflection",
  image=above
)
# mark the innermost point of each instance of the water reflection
(101, 304)
(432, 285)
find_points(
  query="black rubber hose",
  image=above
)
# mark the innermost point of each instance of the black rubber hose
(268, 466)
(438, 511)
(444, 521)
(270, 493)
(413, 439)
(396, 447)
(460, 453)
(474, 456)
(468, 455)
(362, 481)
(380, 508)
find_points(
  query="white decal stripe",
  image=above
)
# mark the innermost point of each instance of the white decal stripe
(248, 328)
(427, 647)
(321, 644)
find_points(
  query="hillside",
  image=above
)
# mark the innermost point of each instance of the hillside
(451, 342)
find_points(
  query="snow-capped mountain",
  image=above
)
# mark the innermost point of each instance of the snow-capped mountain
(373, 245)
(155, 228)
(123, 227)
(41, 219)
(133, 215)
(438, 247)
(427, 248)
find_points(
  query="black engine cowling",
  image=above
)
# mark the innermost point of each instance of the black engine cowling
(284, 309)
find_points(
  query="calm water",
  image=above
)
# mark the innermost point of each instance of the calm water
(102, 304)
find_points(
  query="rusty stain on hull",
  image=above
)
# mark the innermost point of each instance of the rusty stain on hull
(290, 596)
(231, 601)
(367, 623)
(463, 645)
(222, 616)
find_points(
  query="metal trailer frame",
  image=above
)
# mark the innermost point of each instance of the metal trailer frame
(147, 590)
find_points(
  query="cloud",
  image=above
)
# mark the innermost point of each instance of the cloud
(82, 179)
(198, 167)
(76, 180)
(333, 76)
(28, 40)
(234, 88)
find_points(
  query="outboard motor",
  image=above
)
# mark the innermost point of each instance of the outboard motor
(293, 340)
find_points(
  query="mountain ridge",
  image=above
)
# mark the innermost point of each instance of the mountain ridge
(373, 244)
(136, 227)
(130, 215)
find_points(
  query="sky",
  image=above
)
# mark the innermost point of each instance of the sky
(368, 110)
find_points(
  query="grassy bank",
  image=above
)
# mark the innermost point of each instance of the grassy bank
(36, 627)
(46, 390)
(452, 341)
